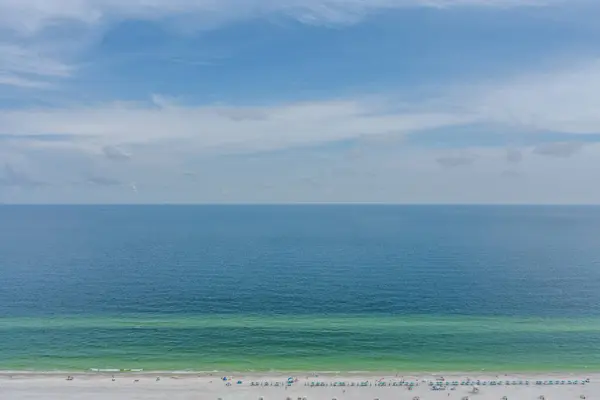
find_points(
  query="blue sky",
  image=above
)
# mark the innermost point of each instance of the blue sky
(396, 101)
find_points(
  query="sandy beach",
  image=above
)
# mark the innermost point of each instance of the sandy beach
(22, 386)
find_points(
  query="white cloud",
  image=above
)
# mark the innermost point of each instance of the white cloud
(560, 101)
(29, 27)
(29, 67)
(456, 160)
(563, 100)
(514, 156)
(212, 129)
(560, 149)
(18, 81)
(14, 178)
(30, 16)
(407, 175)
(164, 133)
(115, 153)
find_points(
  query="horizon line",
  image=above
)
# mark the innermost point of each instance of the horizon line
(258, 204)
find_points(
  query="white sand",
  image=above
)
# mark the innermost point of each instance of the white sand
(14, 386)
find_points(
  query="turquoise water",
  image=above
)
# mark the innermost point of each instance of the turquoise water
(327, 288)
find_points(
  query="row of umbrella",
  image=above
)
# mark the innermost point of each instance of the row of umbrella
(507, 383)
(360, 384)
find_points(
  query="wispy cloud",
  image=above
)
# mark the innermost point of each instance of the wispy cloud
(211, 129)
(560, 150)
(21, 82)
(514, 155)
(561, 100)
(456, 160)
(108, 182)
(47, 137)
(104, 181)
(115, 153)
(14, 178)
(30, 16)
(29, 67)
(31, 26)
(511, 174)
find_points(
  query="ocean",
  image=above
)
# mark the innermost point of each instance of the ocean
(300, 288)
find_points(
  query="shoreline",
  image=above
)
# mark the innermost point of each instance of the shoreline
(305, 386)
(322, 374)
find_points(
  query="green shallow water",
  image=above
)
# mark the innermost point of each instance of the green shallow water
(300, 343)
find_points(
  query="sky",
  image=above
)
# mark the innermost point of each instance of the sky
(293, 101)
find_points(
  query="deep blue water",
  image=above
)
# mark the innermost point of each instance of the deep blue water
(293, 260)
